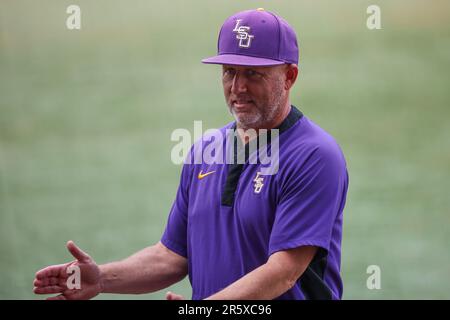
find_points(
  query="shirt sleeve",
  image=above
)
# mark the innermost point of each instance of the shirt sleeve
(175, 234)
(312, 193)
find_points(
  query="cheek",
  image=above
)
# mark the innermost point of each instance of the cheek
(260, 94)
(272, 92)
(226, 88)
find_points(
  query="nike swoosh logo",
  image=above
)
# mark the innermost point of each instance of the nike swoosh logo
(202, 175)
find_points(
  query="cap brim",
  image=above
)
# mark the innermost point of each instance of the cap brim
(241, 60)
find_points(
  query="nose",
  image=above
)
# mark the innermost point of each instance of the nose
(239, 84)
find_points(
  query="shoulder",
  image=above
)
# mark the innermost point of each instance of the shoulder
(306, 147)
(306, 139)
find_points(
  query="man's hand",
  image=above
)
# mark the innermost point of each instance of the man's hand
(173, 296)
(53, 279)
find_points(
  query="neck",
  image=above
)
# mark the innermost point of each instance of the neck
(284, 112)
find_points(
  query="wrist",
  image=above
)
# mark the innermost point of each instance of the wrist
(102, 278)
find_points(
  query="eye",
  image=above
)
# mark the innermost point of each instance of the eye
(253, 74)
(228, 72)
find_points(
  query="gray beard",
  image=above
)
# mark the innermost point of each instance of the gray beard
(255, 120)
(261, 119)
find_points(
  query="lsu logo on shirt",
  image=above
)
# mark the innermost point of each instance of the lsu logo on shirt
(242, 35)
(258, 182)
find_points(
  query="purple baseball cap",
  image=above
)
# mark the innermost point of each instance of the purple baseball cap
(255, 38)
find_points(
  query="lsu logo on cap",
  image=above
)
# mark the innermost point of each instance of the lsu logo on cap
(242, 34)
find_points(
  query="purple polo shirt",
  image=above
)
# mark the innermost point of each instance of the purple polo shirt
(225, 229)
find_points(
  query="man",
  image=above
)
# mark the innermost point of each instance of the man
(236, 233)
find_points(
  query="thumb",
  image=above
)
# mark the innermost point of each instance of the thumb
(79, 254)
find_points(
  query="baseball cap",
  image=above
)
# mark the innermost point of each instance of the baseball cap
(255, 38)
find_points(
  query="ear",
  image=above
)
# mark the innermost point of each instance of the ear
(291, 73)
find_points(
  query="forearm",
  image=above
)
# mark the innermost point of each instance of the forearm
(272, 279)
(148, 270)
(263, 283)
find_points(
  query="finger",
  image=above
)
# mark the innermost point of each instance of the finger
(50, 282)
(52, 271)
(48, 290)
(59, 297)
(173, 296)
(79, 254)
(46, 282)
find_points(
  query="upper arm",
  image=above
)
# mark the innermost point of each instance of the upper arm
(292, 263)
(309, 213)
(175, 233)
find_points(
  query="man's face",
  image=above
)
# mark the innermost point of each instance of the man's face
(254, 95)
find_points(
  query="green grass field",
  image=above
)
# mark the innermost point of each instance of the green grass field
(86, 118)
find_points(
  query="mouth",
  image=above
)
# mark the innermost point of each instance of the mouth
(241, 105)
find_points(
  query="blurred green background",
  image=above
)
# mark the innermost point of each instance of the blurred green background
(86, 118)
